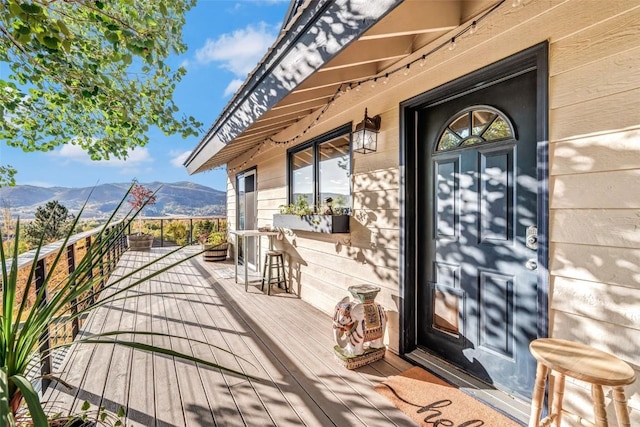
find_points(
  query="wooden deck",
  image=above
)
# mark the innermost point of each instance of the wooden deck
(280, 340)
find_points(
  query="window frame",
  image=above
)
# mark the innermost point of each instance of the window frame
(315, 143)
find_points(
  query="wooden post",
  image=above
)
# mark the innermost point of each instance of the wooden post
(71, 264)
(101, 254)
(45, 345)
(90, 273)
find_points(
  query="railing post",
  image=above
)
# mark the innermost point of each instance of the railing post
(161, 233)
(101, 254)
(90, 273)
(71, 264)
(45, 356)
(190, 231)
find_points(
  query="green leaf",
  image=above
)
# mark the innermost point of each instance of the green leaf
(32, 399)
(112, 37)
(31, 9)
(51, 42)
(85, 406)
(121, 412)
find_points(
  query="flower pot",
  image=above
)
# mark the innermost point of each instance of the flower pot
(140, 242)
(215, 253)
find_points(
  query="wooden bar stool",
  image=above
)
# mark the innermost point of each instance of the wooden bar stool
(585, 363)
(274, 260)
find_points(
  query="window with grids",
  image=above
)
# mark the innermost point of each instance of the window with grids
(473, 126)
(321, 169)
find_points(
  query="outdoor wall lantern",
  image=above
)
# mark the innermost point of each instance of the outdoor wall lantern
(365, 136)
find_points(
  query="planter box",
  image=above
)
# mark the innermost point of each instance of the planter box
(314, 223)
(140, 242)
(215, 253)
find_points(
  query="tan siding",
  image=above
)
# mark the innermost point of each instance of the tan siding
(615, 266)
(602, 190)
(594, 63)
(597, 227)
(608, 152)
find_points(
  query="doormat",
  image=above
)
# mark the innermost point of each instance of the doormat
(430, 401)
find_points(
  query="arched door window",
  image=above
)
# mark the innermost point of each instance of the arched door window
(476, 125)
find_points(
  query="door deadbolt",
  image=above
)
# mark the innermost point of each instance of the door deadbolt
(531, 264)
(532, 237)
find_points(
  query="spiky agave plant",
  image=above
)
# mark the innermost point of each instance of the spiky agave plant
(22, 329)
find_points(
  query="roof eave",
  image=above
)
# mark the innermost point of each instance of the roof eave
(297, 54)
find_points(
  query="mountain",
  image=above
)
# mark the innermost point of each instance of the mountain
(178, 198)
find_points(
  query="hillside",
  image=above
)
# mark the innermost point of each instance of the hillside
(179, 198)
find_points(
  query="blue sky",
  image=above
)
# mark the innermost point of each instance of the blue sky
(226, 39)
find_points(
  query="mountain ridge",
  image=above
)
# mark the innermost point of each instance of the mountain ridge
(183, 198)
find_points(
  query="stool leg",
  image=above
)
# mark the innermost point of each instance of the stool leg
(538, 395)
(558, 394)
(264, 272)
(598, 406)
(269, 275)
(622, 411)
(284, 275)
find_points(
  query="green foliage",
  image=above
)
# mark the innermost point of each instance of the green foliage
(23, 320)
(215, 238)
(300, 207)
(177, 232)
(92, 73)
(52, 222)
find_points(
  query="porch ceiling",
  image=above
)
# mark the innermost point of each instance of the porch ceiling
(408, 27)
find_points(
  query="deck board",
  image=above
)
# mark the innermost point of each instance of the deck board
(281, 341)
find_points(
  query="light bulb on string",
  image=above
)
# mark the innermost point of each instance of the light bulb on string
(358, 88)
(452, 44)
(516, 3)
(386, 79)
(373, 82)
(407, 70)
(473, 28)
(423, 60)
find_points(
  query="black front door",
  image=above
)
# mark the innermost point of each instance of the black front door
(477, 198)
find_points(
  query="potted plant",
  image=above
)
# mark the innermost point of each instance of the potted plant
(25, 320)
(140, 196)
(299, 215)
(215, 245)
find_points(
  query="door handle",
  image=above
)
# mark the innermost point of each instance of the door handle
(531, 264)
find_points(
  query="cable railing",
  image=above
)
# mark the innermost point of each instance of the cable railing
(167, 231)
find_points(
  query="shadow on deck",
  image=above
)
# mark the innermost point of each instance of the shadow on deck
(282, 342)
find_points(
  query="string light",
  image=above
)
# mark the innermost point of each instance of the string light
(473, 28)
(346, 87)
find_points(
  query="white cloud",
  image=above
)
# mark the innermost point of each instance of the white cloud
(179, 158)
(232, 87)
(75, 153)
(239, 51)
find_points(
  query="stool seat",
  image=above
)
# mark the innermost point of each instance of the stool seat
(562, 358)
(582, 362)
(273, 253)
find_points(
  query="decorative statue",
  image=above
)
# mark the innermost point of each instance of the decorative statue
(358, 327)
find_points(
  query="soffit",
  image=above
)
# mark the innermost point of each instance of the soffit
(409, 27)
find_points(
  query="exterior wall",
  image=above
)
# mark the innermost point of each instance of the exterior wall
(594, 176)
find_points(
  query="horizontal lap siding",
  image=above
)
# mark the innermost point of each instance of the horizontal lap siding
(594, 197)
(594, 97)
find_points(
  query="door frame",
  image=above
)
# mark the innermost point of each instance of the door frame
(250, 171)
(534, 58)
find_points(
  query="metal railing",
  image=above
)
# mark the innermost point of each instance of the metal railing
(63, 330)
